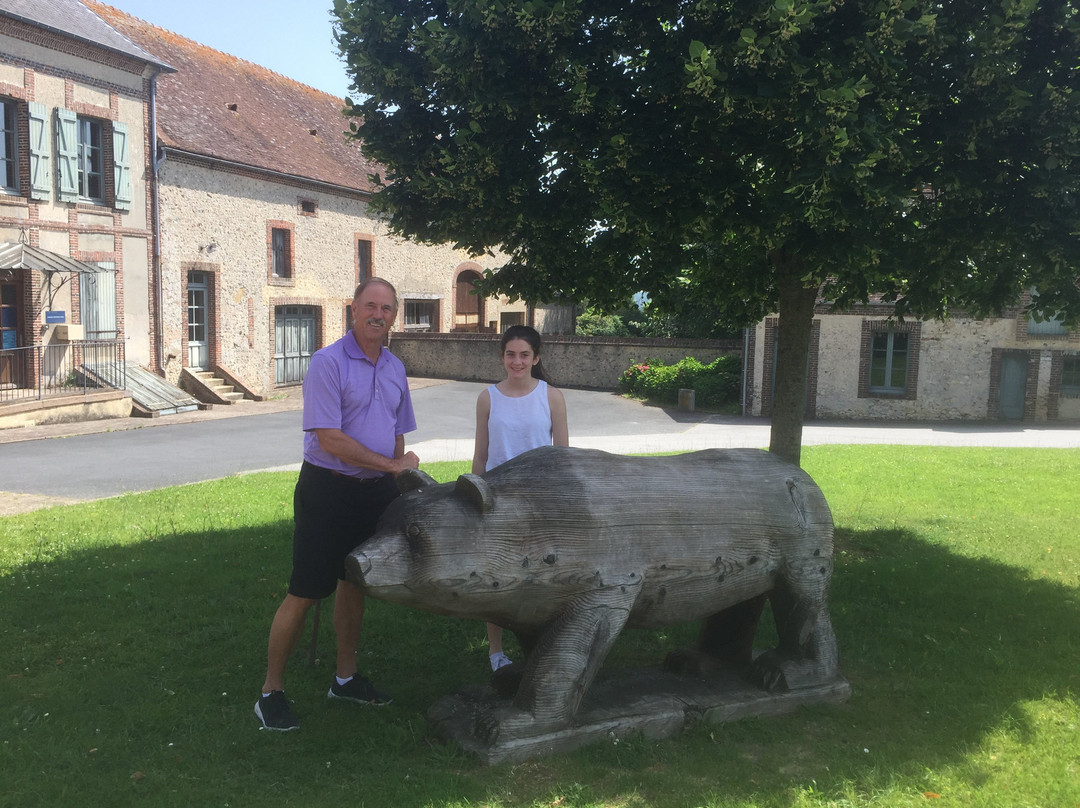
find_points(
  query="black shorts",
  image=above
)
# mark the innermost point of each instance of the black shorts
(332, 514)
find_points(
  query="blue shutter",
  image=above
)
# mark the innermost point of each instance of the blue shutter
(121, 167)
(97, 302)
(67, 154)
(40, 152)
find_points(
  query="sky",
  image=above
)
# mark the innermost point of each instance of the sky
(290, 37)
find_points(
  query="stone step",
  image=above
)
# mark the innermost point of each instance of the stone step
(215, 384)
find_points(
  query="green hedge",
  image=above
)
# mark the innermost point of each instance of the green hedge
(714, 385)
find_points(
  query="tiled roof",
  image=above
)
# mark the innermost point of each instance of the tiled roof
(219, 106)
(73, 19)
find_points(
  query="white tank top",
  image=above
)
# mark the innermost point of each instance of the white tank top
(516, 425)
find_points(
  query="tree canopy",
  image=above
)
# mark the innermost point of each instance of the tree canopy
(752, 153)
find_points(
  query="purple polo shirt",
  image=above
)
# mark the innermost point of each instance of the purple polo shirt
(369, 402)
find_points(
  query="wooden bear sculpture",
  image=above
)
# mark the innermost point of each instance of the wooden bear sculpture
(567, 547)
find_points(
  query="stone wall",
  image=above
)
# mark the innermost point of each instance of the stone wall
(585, 362)
(67, 409)
(953, 379)
(218, 222)
(955, 369)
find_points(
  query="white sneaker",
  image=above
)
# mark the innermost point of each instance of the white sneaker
(499, 660)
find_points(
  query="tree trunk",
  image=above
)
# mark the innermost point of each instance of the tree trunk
(789, 390)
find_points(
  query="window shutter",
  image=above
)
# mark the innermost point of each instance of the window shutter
(39, 151)
(121, 167)
(67, 154)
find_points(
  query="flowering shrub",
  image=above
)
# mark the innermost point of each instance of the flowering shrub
(715, 385)
(631, 377)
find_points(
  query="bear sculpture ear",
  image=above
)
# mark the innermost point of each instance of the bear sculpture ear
(476, 491)
(412, 479)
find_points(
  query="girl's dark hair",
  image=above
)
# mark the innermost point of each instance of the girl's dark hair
(531, 336)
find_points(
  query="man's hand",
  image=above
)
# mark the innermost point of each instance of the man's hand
(408, 461)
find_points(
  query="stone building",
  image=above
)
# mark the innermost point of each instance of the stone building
(75, 203)
(264, 223)
(864, 366)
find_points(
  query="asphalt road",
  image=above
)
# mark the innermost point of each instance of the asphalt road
(113, 460)
(118, 457)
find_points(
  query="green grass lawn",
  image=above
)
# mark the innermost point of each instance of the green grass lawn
(133, 640)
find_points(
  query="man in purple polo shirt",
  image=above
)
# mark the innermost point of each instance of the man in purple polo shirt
(357, 410)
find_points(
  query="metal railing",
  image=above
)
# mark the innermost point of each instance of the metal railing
(61, 369)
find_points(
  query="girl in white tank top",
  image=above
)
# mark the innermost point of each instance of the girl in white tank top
(517, 423)
(520, 413)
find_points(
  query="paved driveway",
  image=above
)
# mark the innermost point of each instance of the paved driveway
(73, 462)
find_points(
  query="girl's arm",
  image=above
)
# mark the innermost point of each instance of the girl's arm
(480, 444)
(560, 433)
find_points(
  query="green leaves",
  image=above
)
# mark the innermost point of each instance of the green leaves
(608, 147)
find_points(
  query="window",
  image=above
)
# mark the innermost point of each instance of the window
(91, 160)
(309, 207)
(9, 316)
(281, 252)
(421, 315)
(9, 148)
(364, 259)
(509, 318)
(1051, 327)
(1040, 323)
(198, 308)
(1070, 376)
(888, 362)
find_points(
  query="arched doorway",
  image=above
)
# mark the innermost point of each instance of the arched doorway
(468, 305)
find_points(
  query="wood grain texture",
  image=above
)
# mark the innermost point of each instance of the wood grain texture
(652, 702)
(567, 547)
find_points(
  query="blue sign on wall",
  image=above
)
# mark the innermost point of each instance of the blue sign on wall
(55, 317)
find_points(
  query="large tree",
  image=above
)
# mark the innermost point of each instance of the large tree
(754, 153)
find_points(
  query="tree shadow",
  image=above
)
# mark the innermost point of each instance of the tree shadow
(940, 650)
(924, 628)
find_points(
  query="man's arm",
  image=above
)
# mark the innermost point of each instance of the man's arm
(348, 450)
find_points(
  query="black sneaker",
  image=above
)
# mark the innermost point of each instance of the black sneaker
(360, 690)
(274, 712)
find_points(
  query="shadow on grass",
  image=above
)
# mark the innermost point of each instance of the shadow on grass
(954, 640)
(129, 673)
